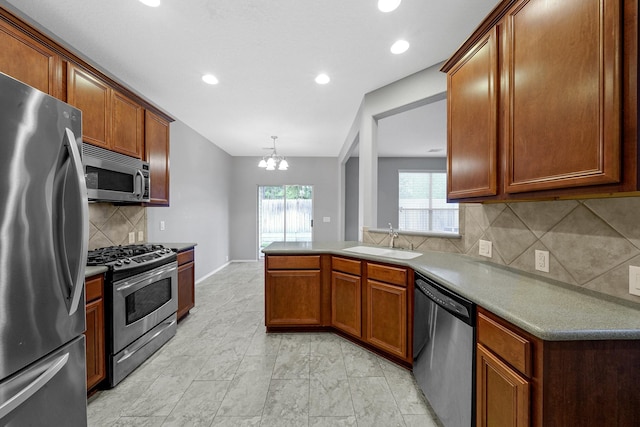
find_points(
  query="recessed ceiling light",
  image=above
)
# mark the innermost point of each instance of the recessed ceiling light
(322, 79)
(151, 3)
(210, 79)
(388, 5)
(399, 47)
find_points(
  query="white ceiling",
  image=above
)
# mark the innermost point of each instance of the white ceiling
(421, 132)
(265, 53)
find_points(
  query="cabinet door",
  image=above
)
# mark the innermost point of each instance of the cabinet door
(157, 154)
(186, 289)
(386, 326)
(90, 95)
(472, 122)
(346, 303)
(562, 74)
(127, 123)
(28, 61)
(502, 395)
(293, 297)
(94, 336)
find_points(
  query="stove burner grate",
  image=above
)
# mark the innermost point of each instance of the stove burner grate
(108, 254)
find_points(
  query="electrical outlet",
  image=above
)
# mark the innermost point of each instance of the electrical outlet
(132, 237)
(140, 236)
(634, 280)
(326, 219)
(161, 225)
(484, 248)
(542, 261)
(226, 258)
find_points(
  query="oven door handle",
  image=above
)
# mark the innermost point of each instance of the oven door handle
(141, 282)
(144, 340)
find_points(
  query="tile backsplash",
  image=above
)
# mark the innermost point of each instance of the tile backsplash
(591, 243)
(110, 225)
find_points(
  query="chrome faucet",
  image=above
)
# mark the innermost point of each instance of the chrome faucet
(392, 235)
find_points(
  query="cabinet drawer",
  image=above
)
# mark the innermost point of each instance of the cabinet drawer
(507, 344)
(303, 262)
(346, 265)
(384, 273)
(93, 288)
(185, 257)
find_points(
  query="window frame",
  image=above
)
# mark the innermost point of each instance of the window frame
(430, 209)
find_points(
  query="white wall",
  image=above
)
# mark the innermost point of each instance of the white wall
(200, 191)
(351, 199)
(409, 92)
(321, 172)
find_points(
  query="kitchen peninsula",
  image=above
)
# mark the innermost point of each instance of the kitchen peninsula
(570, 352)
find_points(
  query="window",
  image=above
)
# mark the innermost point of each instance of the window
(422, 203)
(285, 214)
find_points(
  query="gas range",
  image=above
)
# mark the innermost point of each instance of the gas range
(141, 300)
(130, 259)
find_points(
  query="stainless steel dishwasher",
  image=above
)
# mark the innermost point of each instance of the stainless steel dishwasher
(444, 351)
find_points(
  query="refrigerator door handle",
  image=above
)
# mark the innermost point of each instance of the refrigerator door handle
(32, 388)
(77, 282)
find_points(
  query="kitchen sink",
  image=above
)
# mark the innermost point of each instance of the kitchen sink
(384, 252)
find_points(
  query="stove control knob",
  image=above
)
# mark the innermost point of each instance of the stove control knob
(127, 261)
(118, 263)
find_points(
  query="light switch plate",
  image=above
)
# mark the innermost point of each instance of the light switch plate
(634, 280)
(484, 248)
(161, 225)
(140, 236)
(132, 237)
(326, 219)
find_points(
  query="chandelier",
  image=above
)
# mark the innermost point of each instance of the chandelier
(274, 161)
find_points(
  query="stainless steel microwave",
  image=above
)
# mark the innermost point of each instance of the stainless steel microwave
(114, 177)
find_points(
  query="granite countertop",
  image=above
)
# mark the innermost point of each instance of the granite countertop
(548, 309)
(176, 247)
(94, 271)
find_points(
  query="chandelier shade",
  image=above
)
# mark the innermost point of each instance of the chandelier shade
(274, 160)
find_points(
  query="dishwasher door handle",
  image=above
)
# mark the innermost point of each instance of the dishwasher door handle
(458, 306)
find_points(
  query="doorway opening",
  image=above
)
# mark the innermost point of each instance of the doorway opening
(285, 214)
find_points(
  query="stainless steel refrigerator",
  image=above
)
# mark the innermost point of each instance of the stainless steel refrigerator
(43, 249)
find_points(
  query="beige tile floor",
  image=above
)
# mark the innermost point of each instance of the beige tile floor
(222, 369)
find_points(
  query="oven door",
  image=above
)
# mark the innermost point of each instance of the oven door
(141, 302)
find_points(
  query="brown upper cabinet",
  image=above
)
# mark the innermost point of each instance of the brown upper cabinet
(113, 117)
(472, 125)
(109, 119)
(542, 102)
(26, 60)
(156, 147)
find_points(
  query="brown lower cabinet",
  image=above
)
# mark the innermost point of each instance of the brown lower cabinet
(503, 394)
(368, 303)
(346, 296)
(186, 282)
(293, 291)
(522, 380)
(386, 323)
(94, 334)
(387, 306)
